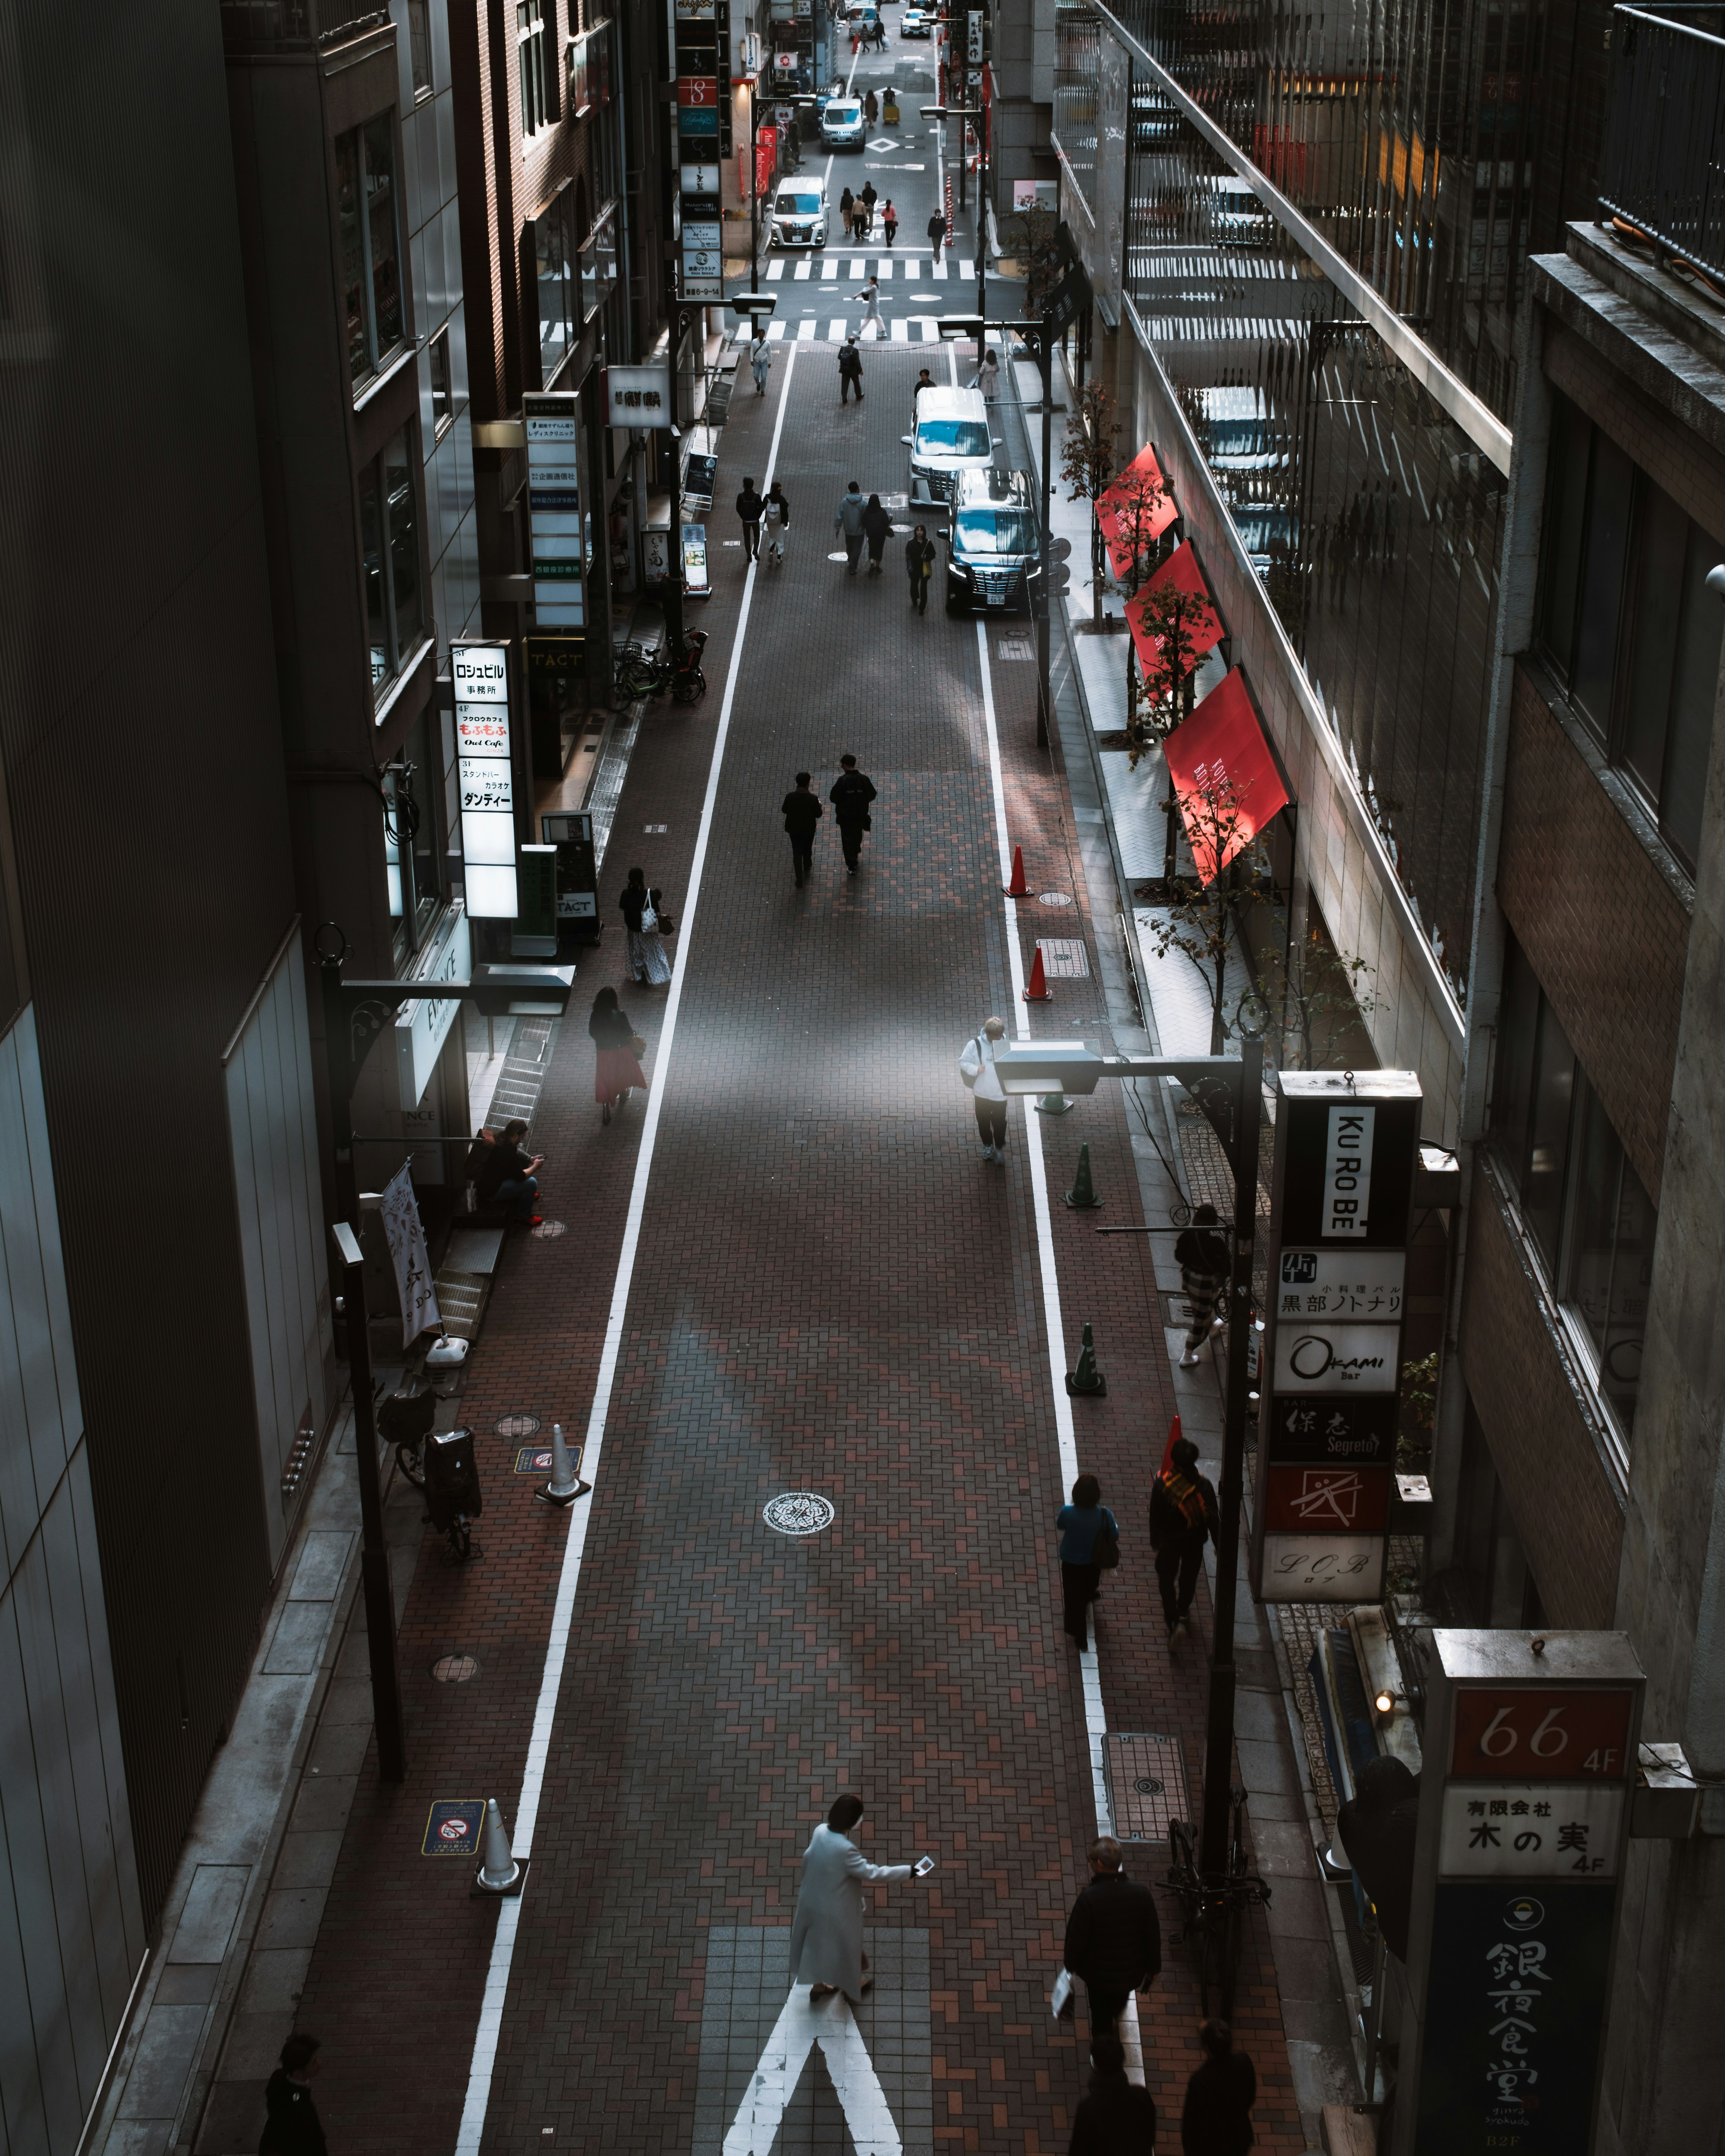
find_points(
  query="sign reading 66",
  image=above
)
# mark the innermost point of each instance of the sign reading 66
(1510, 1736)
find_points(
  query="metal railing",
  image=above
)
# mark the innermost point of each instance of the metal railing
(278, 25)
(1665, 140)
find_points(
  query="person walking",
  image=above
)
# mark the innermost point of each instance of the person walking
(871, 108)
(291, 2126)
(851, 794)
(506, 1173)
(871, 313)
(924, 380)
(937, 232)
(647, 961)
(776, 522)
(749, 505)
(877, 530)
(847, 203)
(1216, 2119)
(761, 359)
(1183, 1516)
(919, 560)
(802, 811)
(1113, 1941)
(849, 371)
(988, 375)
(671, 602)
(1082, 1525)
(889, 221)
(1117, 2117)
(1201, 1252)
(616, 1046)
(870, 196)
(976, 1067)
(848, 524)
(827, 1930)
(858, 222)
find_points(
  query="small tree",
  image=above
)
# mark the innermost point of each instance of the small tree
(1324, 991)
(1136, 497)
(1087, 467)
(1034, 233)
(1203, 918)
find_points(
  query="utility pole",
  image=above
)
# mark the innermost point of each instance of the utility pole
(374, 1550)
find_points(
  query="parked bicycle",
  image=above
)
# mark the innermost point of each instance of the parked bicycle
(1214, 1909)
(639, 672)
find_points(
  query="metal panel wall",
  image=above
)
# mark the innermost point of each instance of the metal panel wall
(272, 1128)
(71, 1923)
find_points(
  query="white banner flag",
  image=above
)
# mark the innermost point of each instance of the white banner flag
(413, 1264)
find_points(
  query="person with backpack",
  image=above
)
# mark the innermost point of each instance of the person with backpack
(1184, 1517)
(1217, 2118)
(1090, 1546)
(848, 524)
(847, 203)
(849, 371)
(869, 196)
(1201, 1252)
(749, 506)
(776, 522)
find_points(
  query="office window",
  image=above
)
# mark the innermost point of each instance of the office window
(551, 241)
(370, 243)
(389, 538)
(412, 849)
(1626, 621)
(530, 41)
(443, 403)
(419, 43)
(598, 263)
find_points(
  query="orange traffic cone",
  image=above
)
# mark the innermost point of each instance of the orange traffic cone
(1017, 888)
(1038, 991)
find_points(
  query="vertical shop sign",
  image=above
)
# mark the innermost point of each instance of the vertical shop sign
(484, 778)
(1530, 1758)
(553, 429)
(703, 42)
(1345, 1149)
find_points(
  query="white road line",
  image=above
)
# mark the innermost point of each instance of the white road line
(775, 331)
(801, 2026)
(805, 333)
(828, 273)
(775, 270)
(1095, 1716)
(800, 273)
(835, 330)
(900, 330)
(556, 1646)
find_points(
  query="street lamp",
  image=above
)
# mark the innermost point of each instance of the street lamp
(800, 105)
(980, 113)
(1026, 1068)
(355, 1013)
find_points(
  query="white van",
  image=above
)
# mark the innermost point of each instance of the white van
(952, 436)
(841, 124)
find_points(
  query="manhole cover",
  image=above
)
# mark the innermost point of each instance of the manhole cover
(516, 1426)
(455, 1669)
(1147, 1785)
(1063, 957)
(1015, 647)
(1054, 898)
(548, 1230)
(797, 1512)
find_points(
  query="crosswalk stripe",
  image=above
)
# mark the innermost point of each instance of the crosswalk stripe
(900, 330)
(940, 271)
(883, 269)
(800, 273)
(835, 330)
(774, 331)
(913, 270)
(805, 333)
(829, 273)
(775, 270)
(860, 268)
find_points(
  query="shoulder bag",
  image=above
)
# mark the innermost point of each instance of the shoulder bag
(1105, 1550)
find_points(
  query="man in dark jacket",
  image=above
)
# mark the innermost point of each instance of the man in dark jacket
(1376, 1828)
(937, 232)
(291, 2127)
(749, 505)
(848, 524)
(850, 796)
(1217, 2116)
(801, 811)
(1183, 1516)
(877, 530)
(919, 560)
(1201, 1252)
(1113, 1941)
(1118, 2117)
(849, 371)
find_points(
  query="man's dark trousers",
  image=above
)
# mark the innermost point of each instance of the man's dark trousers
(847, 382)
(1105, 2008)
(850, 836)
(803, 855)
(853, 548)
(1178, 1565)
(751, 540)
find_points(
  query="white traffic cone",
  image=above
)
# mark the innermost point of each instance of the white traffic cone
(499, 1871)
(563, 1488)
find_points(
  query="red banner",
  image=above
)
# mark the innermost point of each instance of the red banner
(1116, 504)
(1222, 747)
(1181, 572)
(766, 159)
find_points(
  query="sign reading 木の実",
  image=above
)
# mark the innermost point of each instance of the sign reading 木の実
(552, 425)
(1530, 1831)
(483, 778)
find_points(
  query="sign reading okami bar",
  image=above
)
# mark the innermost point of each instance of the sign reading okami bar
(1346, 1144)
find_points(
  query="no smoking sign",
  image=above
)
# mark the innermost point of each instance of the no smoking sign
(453, 1827)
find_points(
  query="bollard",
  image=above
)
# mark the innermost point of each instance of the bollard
(1086, 1382)
(1082, 1195)
(498, 1873)
(1054, 1104)
(563, 1487)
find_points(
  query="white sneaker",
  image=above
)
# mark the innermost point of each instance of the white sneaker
(1188, 1361)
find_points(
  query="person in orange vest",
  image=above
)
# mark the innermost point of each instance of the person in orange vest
(1183, 1516)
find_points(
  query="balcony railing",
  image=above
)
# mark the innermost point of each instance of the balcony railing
(1664, 147)
(257, 26)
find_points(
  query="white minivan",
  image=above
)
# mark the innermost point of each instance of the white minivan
(841, 124)
(952, 436)
(799, 216)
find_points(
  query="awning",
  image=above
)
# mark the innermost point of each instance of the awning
(1116, 526)
(1181, 572)
(1224, 776)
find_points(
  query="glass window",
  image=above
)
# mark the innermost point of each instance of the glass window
(529, 51)
(403, 542)
(389, 540)
(1661, 537)
(370, 243)
(553, 275)
(1547, 1156)
(381, 231)
(443, 408)
(598, 263)
(998, 530)
(1513, 1078)
(420, 43)
(1610, 486)
(1695, 688)
(371, 540)
(348, 183)
(1565, 503)
(1609, 1261)
(959, 438)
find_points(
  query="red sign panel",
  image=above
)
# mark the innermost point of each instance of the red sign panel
(1181, 572)
(766, 158)
(701, 90)
(1139, 496)
(1336, 1501)
(1545, 1735)
(1224, 777)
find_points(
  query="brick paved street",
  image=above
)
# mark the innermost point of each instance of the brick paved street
(832, 1293)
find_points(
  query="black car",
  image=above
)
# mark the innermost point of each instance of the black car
(995, 545)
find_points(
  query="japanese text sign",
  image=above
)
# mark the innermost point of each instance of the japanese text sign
(483, 778)
(1547, 1731)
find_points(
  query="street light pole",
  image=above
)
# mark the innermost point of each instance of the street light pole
(754, 192)
(374, 1551)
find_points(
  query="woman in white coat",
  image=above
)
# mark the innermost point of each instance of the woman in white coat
(826, 1937)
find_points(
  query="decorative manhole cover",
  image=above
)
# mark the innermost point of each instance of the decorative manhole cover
(797, 1512)
(455, 1669)
(1015, 647)
(548, 1230)
(516, 1426)
(1054, 898)
(1147, 1785)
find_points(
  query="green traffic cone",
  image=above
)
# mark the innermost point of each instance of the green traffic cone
(1082, 1194)
(1054, 1104)
(1086, 1380)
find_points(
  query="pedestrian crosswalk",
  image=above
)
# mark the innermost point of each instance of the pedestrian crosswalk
(901, 328)
(905, 268)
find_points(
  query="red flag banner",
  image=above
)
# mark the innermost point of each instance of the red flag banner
(1221, 748)
(766, 159)
(1180, 570)
(1114, 515)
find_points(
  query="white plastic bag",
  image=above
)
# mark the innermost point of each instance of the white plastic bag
(1060, 1998)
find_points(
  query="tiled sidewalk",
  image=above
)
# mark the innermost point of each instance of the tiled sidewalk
(833, 1293)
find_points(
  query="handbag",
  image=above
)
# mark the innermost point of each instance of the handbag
(639, 1047)
(1060, 2003)
(1105, 1550)
(649, 921)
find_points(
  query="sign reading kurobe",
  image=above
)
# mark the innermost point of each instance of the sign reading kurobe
(484, 778)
